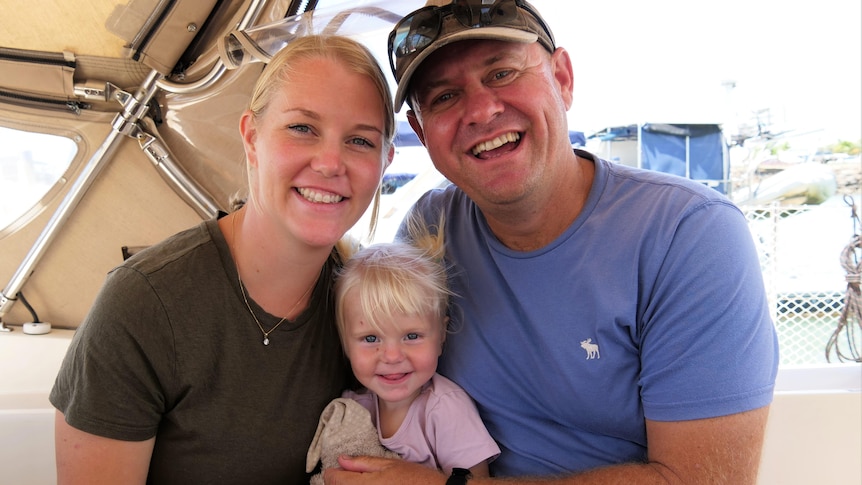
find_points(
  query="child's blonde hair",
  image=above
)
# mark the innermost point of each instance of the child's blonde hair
(397, 278)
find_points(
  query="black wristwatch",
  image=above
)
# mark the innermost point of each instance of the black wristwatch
(459, 476)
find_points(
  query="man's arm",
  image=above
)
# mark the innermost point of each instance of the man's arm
(726, 449)
(723, 450)
(84, 458)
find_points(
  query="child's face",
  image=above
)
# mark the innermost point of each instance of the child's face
(394, 363)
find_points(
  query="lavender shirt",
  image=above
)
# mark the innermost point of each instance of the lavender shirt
(442, 428)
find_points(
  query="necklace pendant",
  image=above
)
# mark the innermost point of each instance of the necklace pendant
(266, 341)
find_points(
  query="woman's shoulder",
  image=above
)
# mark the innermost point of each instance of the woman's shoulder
(172, 249)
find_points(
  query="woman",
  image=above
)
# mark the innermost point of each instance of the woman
(208, 357)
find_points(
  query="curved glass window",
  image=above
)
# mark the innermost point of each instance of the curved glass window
(31, 164)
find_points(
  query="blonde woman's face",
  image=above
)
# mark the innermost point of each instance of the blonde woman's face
(316, 152)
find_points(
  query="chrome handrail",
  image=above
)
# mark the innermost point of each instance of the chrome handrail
(134, 107)
(126, 123)
(251, 15)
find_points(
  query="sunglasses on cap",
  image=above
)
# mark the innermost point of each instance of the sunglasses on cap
(418, 30)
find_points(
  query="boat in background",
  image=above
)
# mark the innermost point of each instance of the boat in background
(791, 184)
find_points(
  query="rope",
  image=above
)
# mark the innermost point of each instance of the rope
(850, 321)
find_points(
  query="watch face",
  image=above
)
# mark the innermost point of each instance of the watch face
(459, 476)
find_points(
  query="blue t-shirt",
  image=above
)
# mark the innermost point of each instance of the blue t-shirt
(650, 305)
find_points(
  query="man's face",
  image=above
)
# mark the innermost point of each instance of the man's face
(493, 117)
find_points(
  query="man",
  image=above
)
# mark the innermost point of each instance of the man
(612, 324)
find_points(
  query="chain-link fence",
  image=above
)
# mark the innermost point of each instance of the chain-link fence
(800, 255)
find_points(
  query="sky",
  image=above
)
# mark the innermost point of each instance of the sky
(798, 63)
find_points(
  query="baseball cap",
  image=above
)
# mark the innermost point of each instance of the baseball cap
(442, 22)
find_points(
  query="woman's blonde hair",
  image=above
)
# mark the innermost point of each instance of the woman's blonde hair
(397, 278)
(350, 53)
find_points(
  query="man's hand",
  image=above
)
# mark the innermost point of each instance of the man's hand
(360, 470)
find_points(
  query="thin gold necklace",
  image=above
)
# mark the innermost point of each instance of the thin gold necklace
(267, 332)
(245, 298)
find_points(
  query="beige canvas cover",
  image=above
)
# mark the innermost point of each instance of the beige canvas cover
(143, 90)
(192, 117)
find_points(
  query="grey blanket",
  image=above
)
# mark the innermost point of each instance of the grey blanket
(344, 428)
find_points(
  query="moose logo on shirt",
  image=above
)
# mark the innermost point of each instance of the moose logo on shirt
(591, 348)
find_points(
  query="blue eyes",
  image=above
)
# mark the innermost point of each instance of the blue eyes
(358, 141)
(501, 75)
(371, 339)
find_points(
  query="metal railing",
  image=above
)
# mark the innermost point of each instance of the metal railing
(800, 250)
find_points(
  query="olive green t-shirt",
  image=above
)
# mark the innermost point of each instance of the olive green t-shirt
(170, 350)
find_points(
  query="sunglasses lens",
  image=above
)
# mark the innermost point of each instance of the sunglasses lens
(416, 32)
(474, 14)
